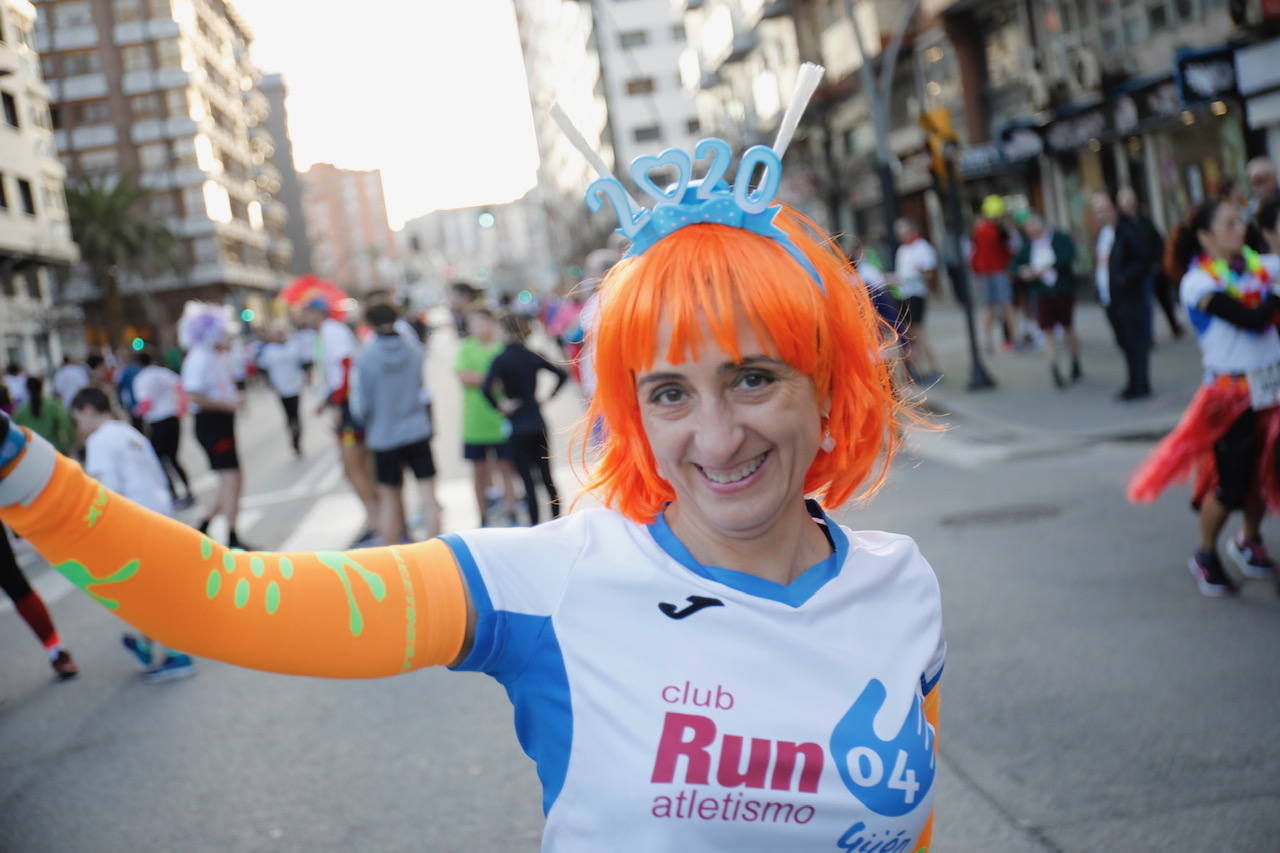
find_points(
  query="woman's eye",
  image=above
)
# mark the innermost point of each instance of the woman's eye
(669, 394)
(754, 379)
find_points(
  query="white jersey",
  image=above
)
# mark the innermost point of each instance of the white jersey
(283, 368)
(158, 388)
(1225, 347)
(68, 380)
(675, 706)
(912, 263)
(205, 371)
(338, 349)
(120, 458)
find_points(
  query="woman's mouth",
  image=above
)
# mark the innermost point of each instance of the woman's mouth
(733, 476)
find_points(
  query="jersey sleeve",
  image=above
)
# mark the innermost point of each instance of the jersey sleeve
(1196, 285)
(516, 580)
(195, 374)
(357, 614)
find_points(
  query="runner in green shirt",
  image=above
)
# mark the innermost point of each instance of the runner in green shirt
(484, 429)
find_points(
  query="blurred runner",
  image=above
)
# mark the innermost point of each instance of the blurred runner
(515, 371)
(158, 391)
(120, 458)
(69, 378)
(484, 438)
(31, 608)
(284, 372)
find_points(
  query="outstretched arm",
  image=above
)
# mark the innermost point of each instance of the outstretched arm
(358, 614)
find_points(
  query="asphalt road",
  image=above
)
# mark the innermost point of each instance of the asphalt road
(1092, 699)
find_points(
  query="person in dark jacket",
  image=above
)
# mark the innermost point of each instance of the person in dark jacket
(1122, 265)
(1045, 262)
(386, 397)
(515, 370)
(1160, 285)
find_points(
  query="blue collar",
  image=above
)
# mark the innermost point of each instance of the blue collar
(794, 594)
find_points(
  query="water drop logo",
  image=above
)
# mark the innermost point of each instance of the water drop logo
(889, 777)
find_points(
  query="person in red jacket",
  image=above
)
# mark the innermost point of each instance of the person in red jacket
(989, 260)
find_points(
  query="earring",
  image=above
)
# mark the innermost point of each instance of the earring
(828, 443)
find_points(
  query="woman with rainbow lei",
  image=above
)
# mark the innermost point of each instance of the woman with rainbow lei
(1227, 437)
(708, 662)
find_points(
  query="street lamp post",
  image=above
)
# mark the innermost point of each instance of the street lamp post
(979, 378)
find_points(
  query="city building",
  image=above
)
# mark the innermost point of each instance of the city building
(166, 89)
(562, 65)
(640, 44)
(346, 215)
(36, 250)
(501, 248)
(285, 171)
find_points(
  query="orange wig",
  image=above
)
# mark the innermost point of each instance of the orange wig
(698, 275)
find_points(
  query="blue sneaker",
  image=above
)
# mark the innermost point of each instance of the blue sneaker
(176, 665)
(139, 648)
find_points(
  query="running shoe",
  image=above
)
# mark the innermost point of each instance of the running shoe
(184, 503)
(367, 539)
(1251, 557)
(176, 665)
(1211, 578)
(64, 666)
(139, 648)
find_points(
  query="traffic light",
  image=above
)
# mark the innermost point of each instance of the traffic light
(938, 134)
(138, 344)
(247, 315)
(486, 219)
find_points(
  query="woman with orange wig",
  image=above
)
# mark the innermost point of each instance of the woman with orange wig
(708, 661)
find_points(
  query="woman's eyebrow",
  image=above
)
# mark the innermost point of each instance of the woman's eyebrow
(753, 361)
(651, 378)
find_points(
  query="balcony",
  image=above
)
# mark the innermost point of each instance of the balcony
(78, 88)
(92, 136)
(149, 130)
(132, 32)
(135, 82)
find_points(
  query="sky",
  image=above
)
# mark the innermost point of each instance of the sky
(432, 92)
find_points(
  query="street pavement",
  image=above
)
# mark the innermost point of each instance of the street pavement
(1092, 699)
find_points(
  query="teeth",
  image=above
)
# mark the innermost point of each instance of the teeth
(740, 473)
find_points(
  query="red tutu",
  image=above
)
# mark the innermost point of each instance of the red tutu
(1188, 450)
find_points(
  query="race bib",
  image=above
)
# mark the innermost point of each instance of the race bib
(1264, 387)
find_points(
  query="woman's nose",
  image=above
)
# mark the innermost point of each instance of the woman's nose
(718, 433)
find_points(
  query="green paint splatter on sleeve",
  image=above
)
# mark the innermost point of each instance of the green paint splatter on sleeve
(228, 561)
(286, 568)
(242, 592)
(206, 547)
(256, 566)
(339, 563)
(273, 598)
(214, 584)
(410, 613)
(96, 508)
(78, 573)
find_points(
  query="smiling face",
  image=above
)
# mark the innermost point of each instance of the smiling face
(1225, 235)
(734, 438)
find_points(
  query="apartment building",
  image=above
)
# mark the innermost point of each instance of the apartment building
(35, 240)
(280, 166)
(640, 44)
(562, 64)
(167, 89)
(351, 242)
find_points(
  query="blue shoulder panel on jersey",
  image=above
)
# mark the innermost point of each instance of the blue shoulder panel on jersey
(793, 594)
(486, 631)
(539, 692)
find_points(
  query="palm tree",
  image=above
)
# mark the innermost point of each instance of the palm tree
(118, 236)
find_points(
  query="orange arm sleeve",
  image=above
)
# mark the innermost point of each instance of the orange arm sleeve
(358, 614)
(931, 703)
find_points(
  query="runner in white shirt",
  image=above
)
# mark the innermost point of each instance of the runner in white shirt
(710, 661)
(120, 458)
(158, 392)
(68, 379)
(338, 347)
(284, 371)
(1230, 293)
(914, 266)
(15, 382)
(211, 391)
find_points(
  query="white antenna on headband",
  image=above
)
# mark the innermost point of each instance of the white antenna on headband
(806, 84)
(561, 118)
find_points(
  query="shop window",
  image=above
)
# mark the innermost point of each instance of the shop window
(10, 109)
(27, 196)
(640, 86)
(633, 38)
